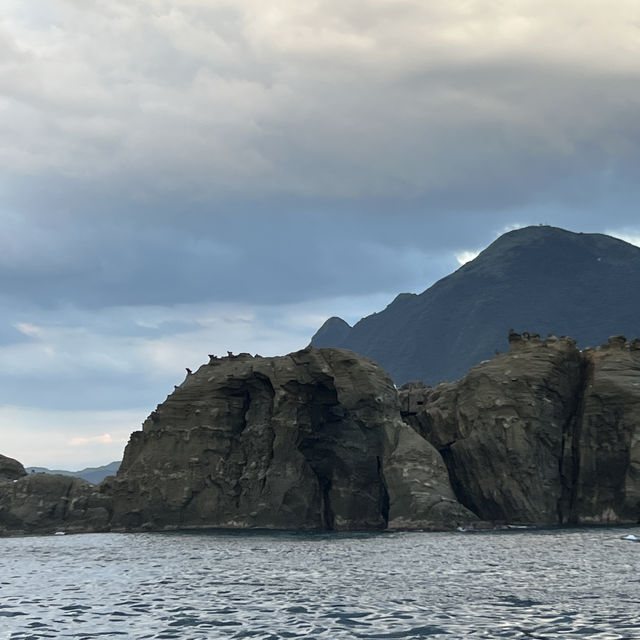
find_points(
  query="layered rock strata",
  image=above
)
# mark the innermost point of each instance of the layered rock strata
(312, 440)
(605, 448)
(542, 434)
(43, 503)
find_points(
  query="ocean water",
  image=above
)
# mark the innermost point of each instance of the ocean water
(524, 584)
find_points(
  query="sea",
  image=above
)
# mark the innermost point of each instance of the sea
(562, 583)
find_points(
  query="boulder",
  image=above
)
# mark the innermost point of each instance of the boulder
(44, 503)
(312, 440)
(10, 469)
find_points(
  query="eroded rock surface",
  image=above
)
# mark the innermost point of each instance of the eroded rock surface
(10, 469)
(543, 434)
(606, 446)
(43, 503)
(312, 440)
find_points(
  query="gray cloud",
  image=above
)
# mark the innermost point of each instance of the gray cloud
(259, 253)
(204, 175)
(220, 98)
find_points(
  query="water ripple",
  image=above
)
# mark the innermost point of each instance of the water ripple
(271, 586)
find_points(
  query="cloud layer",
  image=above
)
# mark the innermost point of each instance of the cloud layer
(216, 98)
(181, 178)
(30, 434)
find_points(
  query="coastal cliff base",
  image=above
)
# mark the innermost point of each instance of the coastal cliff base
(321, 439)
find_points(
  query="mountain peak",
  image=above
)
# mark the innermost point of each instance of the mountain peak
(333, 332)
(540, 279)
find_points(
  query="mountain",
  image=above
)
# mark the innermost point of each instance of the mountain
(538, 279)
(95, 475)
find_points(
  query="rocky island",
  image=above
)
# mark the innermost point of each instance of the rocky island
(545, 433)
(312, 440)
(43, 503)
(321, 439)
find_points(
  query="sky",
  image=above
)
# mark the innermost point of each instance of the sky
(185, 178)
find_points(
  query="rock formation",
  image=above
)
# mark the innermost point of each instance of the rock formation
(10, 469)
(43, 503)
(312, 440)
(605, 447)
(543, 434)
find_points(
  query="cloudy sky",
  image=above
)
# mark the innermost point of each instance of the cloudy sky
(180, 178)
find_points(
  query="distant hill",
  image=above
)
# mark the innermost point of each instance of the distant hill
(90, 474)
(538, 279)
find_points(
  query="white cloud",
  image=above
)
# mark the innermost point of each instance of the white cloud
(325, 98)
(510, 227)
(466, 256)
(105, 105)
(192, 332)
(74, 439)
(630, 236)
(105, 438)
(30, 330)
(69, 440)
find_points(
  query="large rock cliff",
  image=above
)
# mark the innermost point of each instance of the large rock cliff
(312, 440)
(543, 434)
(605, 446)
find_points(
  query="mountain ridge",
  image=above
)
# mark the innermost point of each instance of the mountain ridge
(540, 278)
(95, 475)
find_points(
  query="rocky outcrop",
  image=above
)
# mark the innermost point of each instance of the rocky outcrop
(321, 439)
(42, 503)
(312, 440)
(605, 449)
(543, 434)
(10, 469)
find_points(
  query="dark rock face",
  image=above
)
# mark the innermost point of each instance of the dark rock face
(10, 469)
(42, 503)
(542, 278)
(332, 332)
(312, 440)
(543, 434)
(606, 445)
